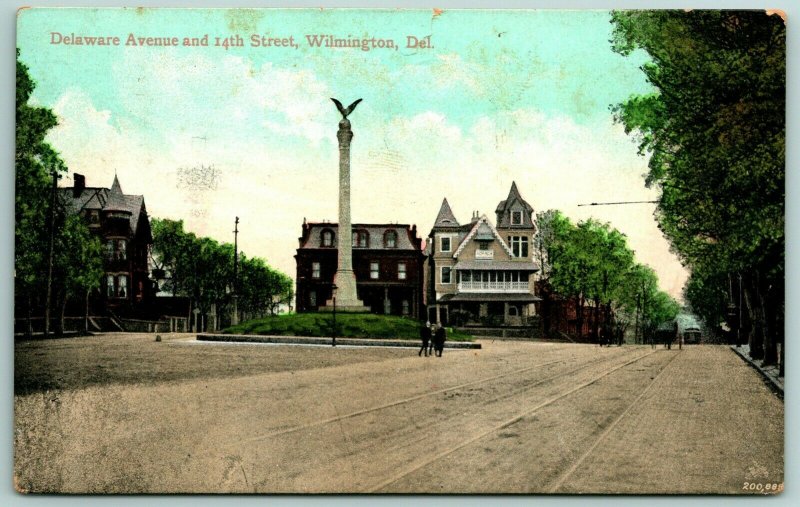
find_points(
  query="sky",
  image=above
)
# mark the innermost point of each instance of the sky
(207, 133)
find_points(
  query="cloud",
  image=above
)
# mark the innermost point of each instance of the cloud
(269, 134)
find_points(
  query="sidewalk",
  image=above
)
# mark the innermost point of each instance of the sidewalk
(318, 340)
(769, 372)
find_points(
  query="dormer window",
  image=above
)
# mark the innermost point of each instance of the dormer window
(94, 217)
(360, 239)
(516, 218)
(390, 239)
(327, 238)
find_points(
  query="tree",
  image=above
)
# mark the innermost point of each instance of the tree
(54, 251)
(715, 133)
(79, 265)
(202, 269)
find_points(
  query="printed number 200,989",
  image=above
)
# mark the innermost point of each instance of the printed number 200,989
(772, 487)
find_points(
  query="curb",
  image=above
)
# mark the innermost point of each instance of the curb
(313, 340)
(776, 384)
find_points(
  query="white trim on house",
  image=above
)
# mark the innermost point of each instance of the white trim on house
(474, 231)
(441, 272)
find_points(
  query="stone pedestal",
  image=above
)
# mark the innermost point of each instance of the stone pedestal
(345, 279)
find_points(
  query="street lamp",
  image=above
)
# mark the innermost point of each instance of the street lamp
(333, 332)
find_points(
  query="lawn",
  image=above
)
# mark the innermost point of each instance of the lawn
(348, 325)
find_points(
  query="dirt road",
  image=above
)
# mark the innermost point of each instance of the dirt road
(512, 417)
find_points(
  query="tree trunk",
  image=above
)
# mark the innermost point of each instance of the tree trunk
(50, 255)
(636, 325)
(62, 315)
(29, 318)
(767, 312)
(86, 315)
(579, 316)
(755, 337)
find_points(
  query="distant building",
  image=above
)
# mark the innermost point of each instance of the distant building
(387, 261)
(120, 221)
(482, 273)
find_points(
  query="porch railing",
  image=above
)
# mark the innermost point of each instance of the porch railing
(493, 287)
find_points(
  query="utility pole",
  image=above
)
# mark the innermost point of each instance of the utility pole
(235, 316)
(50, 253)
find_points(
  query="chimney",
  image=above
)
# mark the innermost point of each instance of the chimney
(79, 184)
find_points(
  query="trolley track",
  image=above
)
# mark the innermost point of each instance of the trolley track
(419, 464)
(566, 474)
(536, 382)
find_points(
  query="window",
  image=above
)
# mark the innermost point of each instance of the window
(445, 275)
(327, 238)
(519, 246)
(312, 298)
(390, 239)
(406, 307)
(122, 286)
(116, 249)
(512, 311)
(122, 249)
(315, 270)
(360, 239)
(516, 218)
(483, 245)
(374, 270)
(94, 217)
(110, 286)
(445, 244)
(401, 270)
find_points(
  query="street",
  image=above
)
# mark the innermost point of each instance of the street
(513, 417)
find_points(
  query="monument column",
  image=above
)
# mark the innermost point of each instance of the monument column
(345, 279)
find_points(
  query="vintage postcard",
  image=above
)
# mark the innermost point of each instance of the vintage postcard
(399, 251)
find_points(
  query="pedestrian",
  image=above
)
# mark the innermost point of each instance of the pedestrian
(432, 335)
(425, 334)
(439, 339)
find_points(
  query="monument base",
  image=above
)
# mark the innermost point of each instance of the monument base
(344, 308)
(346, 295)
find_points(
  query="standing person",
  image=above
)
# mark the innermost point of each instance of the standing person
(432, 335)
(425, 334)
(440, 337)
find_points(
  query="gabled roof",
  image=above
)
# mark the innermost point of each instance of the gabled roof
(484, 233)
(482, 223)
(513, 200)
(104, 199)
(513, 195)
(445, 218)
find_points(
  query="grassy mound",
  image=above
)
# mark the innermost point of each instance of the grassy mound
(348, 325)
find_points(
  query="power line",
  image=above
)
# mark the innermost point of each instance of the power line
(620, 202)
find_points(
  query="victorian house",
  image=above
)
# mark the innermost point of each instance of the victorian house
(480, 272)
(120, 221)
(387, 260)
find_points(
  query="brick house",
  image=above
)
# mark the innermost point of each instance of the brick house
(481, 273)
(120, 221)
(387, 261)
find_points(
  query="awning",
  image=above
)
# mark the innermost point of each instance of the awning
(480, 297)
(490, 265)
